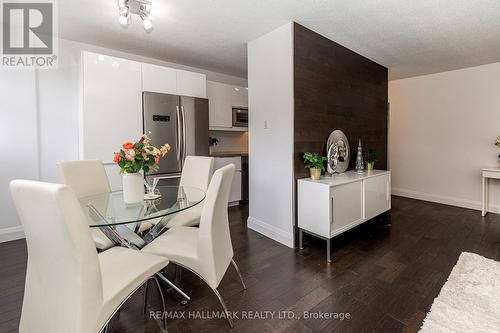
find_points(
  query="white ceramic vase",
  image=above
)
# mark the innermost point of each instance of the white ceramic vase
(133, 188)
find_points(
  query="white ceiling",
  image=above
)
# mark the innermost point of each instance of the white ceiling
(409, 37)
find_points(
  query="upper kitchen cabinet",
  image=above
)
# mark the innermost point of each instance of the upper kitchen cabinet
(222, 98)
(159, 79)
(191, 84)
(173, 81)
(112, 102)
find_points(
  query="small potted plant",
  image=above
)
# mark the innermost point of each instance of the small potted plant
(370, 158)
(315, 163)
(212, 142)
(134, 157)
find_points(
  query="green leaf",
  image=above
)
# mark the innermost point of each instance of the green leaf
(314, 160)
(371, 156)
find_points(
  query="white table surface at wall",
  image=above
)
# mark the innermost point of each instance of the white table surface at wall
(345, 178)
(488, 173)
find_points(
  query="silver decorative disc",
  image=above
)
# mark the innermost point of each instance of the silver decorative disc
(337, 152)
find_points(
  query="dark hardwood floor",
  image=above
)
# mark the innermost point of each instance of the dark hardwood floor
(384, 277)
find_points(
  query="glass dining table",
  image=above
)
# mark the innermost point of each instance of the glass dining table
(136, 225)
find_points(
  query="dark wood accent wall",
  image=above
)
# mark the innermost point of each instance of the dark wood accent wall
(336, 88)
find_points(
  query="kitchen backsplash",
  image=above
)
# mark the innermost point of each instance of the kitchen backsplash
(229, 141)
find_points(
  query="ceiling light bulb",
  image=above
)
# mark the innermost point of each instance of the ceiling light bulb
(146, 22)
(122, 3)
(124, 11)
(124, 20)
(147, 8)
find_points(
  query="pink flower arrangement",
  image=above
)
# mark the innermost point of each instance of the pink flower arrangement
(141, 155)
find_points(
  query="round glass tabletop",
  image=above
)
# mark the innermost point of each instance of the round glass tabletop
(108, 209)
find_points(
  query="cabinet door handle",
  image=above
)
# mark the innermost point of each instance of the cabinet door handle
(331, 210)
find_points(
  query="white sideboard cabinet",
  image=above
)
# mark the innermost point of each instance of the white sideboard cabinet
(334, 204)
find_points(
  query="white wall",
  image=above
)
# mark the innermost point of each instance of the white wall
(19, 138)
(270, 88)
(39, 113)
(443, 128)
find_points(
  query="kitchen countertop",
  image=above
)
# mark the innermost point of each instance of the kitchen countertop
(229, 154)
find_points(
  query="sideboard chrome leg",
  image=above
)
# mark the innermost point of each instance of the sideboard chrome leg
(328, 250)
(301, 239)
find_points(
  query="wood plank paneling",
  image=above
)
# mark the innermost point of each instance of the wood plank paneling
(336, 88)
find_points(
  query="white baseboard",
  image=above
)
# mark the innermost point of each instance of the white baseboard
(464, 203)
(270, 231)
(11, 233)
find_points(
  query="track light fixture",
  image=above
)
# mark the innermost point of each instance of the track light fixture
(141, 8)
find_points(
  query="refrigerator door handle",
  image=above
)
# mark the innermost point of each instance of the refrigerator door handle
(183, 134)
(178, 141)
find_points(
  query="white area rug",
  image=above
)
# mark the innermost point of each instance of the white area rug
(470, 300)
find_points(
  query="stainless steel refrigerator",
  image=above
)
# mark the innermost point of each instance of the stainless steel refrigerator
(180, 121)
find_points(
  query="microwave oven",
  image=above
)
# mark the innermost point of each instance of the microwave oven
(240, 117)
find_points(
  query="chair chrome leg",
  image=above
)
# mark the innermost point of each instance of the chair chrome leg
(239, 274)
(229, 319)
(162, 302)
(105, 329)
(177, 274)
(173, 286)
(146, 297)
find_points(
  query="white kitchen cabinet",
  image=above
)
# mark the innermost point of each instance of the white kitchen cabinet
(173, 81)
(222, 98)
(191, 84)
(159, 79)
(111, 105)
(219, 162)
(332, 205)
(235, 193)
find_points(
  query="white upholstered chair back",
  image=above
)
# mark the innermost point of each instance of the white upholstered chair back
(85, 177)
(197, 172)
(63, 292)
(214, 245)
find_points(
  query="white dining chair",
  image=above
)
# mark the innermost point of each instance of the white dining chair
(206, 251)
(86, 178)
(196, 173)
(70, 288)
